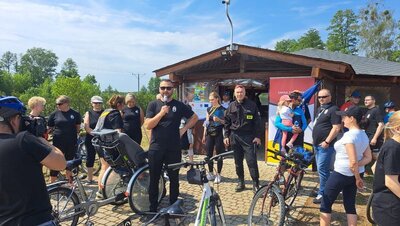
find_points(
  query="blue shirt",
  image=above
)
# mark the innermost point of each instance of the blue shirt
(386, 118)
(297, 111)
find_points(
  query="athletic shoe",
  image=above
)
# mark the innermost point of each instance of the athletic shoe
(99, 195)
(210, 176)
(318, 199)
(217, 179)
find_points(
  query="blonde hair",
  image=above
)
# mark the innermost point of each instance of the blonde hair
(130, 97)
(394, 122)
(36, 100)
(216, 96)
(115, 100)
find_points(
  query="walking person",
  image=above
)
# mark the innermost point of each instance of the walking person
(90, 120)
(65, 123)
(133, 118)
(23, 194)
(213, 136)
(386, 186)
(242, 130)
(163, 117)
(352, 154)
(327, 125)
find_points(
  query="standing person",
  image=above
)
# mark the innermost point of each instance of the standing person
(352, 154)
(327, 125)
(286, 113)
(90, 121)
(373, 125)
(214, 119)
(23, 194)
(163, 117)
(386, 186)
(226, 99)
(37, 105)
(133, 118)
(242, 128)
(389, 109)
(65, 124)
(354, 99)
(111, 119)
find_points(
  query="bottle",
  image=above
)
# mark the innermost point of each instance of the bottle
(296, 123)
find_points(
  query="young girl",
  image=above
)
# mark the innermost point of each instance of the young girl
(286, 114)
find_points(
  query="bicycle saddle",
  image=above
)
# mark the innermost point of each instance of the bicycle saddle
(71, 164)
(173, 209)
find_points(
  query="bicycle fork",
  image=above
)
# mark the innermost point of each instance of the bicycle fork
(201, 217)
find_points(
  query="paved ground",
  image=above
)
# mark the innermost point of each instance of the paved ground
(236, 205)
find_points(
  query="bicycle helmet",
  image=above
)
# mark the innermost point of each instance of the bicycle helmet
(389, 104)
(10, 106)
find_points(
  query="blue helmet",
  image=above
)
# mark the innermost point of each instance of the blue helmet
(389, 104)
(10, 106)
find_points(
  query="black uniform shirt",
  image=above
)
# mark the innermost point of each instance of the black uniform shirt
(166, 133)
(64, 124)
(113, 120)
(323, 123)
(373, 116)
(243, 118)
(131, 119)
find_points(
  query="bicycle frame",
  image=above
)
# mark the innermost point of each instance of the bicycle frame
(201, 218)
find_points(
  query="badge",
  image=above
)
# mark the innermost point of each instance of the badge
(249, 117)
(137, 111)
(173, 109)
(72, 116)
(368, 115)
(326, 111)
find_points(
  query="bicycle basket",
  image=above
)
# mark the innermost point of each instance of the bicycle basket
(304, 155)
(194, 176)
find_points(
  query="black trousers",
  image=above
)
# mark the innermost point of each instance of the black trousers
(218, 142)
(243, 147)
(158, 156)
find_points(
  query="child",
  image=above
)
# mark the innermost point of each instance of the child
(286, 114)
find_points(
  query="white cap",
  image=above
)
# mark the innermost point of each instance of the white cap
(96, 99)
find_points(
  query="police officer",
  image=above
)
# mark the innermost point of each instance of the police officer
(163, 117)
(242, 126)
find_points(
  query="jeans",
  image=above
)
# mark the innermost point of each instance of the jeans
(323, 158)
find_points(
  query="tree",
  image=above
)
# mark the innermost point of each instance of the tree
(22, 82)
(39, 63)
(343, 32)
(311, 39)
(6, 83)
(286, 45)
(377, 31)
(153, 85)
(8, 62)
(90, 79)
(69, 68)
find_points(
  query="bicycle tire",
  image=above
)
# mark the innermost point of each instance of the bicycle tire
(139, 192)
(217, 215)
(83, 154)
(369, 209)
(114, 185)
(63, 212)
(293, 188)
(267, 199)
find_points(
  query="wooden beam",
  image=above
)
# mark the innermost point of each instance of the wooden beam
(173, 77)
(316, 72)
(295, 59)
(242, 65)
(245, 75)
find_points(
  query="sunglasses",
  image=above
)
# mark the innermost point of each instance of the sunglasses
(97, 103)
(165, 88)
(58, 104)
(322, 97)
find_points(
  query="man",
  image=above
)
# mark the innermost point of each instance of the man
(353, 100)
(163, 117)
(299, 117)
(23, 194)
(327, 125)
(373, 125)
(242, 128)
(389, 109)
(226, 99)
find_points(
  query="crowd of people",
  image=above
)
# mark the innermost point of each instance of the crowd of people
(345, 140)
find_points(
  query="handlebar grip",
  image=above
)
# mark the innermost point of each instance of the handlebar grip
(221, 155)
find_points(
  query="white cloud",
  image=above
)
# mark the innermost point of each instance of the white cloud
(320, 9)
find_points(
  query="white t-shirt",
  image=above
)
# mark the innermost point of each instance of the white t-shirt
(286, 113)
(225, 104)
(360, 140)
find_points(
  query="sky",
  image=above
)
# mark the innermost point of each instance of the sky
(117, 40)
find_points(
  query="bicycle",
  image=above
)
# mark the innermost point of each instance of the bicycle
(83, 153)
(271, 202)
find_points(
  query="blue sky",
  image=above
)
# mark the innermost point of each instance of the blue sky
(112, 39)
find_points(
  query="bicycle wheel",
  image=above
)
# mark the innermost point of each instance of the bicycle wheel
(63, 200)
(216, 214)
(139, 192)
(369, 209)
(116, 182)
(293, 188)
(267, 207)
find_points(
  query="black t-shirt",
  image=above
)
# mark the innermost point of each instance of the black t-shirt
(113, 120)
(323, 123)
(93, 118)
(131, 120)
(64, 124)
(387, 164)
(372, 117)
(23, 194)
(167, 130)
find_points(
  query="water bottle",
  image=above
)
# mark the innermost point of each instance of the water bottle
(296, 123)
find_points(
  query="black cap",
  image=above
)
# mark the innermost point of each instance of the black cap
(354, 111)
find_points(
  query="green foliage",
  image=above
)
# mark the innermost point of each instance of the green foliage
(311, 39)
(8, 62)
(286, 45)
(22, 82)
(90, 79)
(6, 83)
(153, 85)
(69, 69)
(343, 32)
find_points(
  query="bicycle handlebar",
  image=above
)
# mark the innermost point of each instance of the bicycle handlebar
(293, 157)
(198, 163)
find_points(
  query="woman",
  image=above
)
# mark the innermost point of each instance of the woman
(386, 200)
(133, 118)
(214, 118)
(65, 124)
(90, 121)
(37, 104)
(113, 120)
(352, 154)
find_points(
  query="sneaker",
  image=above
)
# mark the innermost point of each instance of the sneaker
(217, 179)
(210, 176)
(318, 199)
(99, 194)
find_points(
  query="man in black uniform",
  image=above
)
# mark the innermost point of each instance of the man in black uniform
(23, 194)
(242, 128)
(163, 117)
(373, 125)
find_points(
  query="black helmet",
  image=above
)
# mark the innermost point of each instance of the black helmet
(389, 104)
(10, 106)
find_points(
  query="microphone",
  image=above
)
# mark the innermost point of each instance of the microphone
(165, 99)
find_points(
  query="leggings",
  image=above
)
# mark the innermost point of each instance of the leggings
(90, 151)
(218, 142)
(287, 122)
